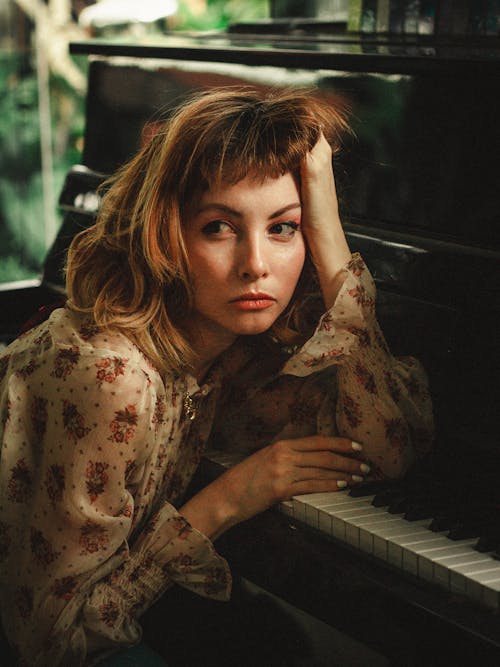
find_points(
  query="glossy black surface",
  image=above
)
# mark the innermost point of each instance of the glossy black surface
(367, 54)
(423, 160)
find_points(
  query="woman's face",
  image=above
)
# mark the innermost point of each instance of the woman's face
(246, 254)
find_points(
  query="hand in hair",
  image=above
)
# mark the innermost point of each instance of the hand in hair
(320, 219)
(315, 464)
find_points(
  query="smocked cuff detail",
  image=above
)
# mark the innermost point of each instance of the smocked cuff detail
(170, 551)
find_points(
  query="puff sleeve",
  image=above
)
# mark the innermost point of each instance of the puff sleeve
(83, 555)
(379, 400)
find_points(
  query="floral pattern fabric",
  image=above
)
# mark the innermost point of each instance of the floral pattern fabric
(97, 451)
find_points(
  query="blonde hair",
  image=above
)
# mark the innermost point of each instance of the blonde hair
(130, 270)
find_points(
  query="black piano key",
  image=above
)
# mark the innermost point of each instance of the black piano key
(369, 488)
(442, 521)
(386, 497)
(399, 505)
(488, 543)
(463, 531)
(473, 524)
(419, 510)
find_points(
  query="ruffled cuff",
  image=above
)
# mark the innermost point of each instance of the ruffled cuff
(344, 328)
(191, 561)
(170, 551)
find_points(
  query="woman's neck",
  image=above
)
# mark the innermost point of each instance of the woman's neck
(208, 349)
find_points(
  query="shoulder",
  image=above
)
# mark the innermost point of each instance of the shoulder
(69, 348)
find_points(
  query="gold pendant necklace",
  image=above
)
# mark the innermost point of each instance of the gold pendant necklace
(189, 409)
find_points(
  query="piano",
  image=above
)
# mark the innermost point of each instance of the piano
(409, 568)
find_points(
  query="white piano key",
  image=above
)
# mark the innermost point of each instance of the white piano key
(322, 499)
(441, 576)
(299, 508)
(386, 533)
(398, 543)
(463, 564)
(344, 503)
(286, 507)
(364, 519)
(415, 554)
(335, 522)
(311, 516)
(483, 565)
(325, 522)
(366, 529)
(477, 584)
(302, 501)
(491, 594)
(426, 560)
(328, 514)
(313, 502)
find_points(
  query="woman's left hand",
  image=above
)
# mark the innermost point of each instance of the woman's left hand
(320, 219)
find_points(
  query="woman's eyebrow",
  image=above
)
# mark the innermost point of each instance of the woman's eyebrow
(215, 206)
(290, 207)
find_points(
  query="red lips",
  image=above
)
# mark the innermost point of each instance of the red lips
(253, 295)
(253, 301)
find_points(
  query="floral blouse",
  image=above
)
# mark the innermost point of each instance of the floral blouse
(97, 450)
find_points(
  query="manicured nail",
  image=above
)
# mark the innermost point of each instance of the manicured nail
(356, 446)
(357, 478)
(364, 468)
(341, 484)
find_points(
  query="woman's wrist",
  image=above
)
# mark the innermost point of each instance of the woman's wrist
(210, 511)
(330, 257)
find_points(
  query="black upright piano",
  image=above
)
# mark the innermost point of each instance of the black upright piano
(419, 184)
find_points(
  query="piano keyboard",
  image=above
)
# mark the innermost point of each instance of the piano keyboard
(409, 546)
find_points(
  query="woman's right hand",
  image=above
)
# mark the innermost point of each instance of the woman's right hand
(315, 464)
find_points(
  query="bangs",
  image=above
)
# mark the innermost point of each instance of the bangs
(265, 137)
(248, 150)
(255, 145)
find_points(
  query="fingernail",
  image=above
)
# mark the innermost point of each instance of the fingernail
(357, 478)
(364, 468)
(356, 446)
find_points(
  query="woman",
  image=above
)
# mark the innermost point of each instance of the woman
(190, 315)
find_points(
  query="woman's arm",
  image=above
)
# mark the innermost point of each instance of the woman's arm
(382, 402)
(379, 400)
(277, 472)
(321, 222)
(84, 556)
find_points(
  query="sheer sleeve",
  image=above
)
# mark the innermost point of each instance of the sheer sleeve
(343, 381)
(82, 558)
(381, 401)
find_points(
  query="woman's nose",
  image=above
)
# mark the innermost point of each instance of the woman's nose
(252, 262)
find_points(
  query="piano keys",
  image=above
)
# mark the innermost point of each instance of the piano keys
(408, 546)
(411, 594)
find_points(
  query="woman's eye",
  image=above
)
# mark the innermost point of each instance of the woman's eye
(216, 227)
(284, 229)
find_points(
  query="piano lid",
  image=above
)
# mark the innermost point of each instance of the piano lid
(425, 115)
(302, 48)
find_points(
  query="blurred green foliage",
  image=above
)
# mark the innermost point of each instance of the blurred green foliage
(22, 234)
(220, 13)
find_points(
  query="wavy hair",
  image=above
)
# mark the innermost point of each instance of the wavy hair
(130, 270)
